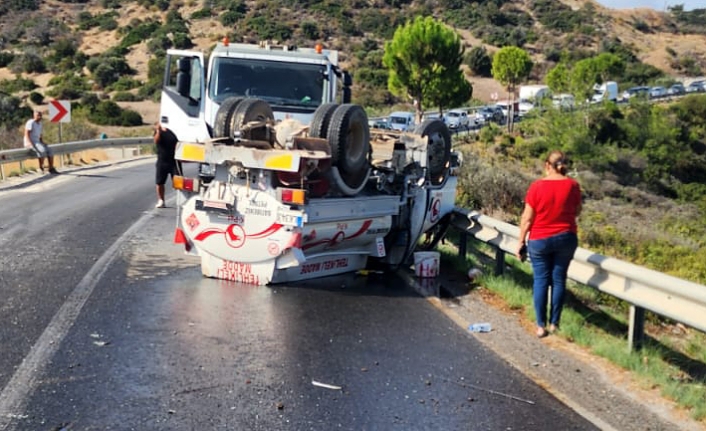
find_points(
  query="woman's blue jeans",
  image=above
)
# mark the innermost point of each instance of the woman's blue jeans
(550, 264)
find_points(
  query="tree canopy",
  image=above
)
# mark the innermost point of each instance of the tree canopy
(595, 70)
(511, 66)
(424, 59)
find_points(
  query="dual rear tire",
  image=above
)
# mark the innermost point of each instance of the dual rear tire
(235, 112)
(348, 134)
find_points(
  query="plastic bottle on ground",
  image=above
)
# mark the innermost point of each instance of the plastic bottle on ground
(480, 327)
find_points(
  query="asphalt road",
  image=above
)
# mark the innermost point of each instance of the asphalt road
(105, 325)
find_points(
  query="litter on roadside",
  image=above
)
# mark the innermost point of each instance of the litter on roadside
(325, 385)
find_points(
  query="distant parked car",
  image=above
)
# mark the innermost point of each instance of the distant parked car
(402, 121)
(380, 123)
(486, 114)
(657, 92)
(506, 106)
(696, 87)
(676, 90)
(457, 119)
(641, 91)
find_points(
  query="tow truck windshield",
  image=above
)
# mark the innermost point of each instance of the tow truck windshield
(294, 85)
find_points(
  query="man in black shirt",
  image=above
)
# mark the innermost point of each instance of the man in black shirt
(165, 140)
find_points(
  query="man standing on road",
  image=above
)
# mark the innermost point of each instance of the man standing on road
(165, 140)
(33, 139)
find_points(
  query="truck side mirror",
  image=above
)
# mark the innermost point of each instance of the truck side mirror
(183, 81)
(347, 82)
(347, 79)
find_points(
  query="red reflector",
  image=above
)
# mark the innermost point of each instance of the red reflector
(180, 238)
(189, 184)
(287, 195)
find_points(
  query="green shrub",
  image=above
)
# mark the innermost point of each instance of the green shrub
(28, 62)
(109, 113)
(125, 83)
(36, 98)
(479, 61)
(130, 118)
(182, 41)
(641, 26)
(202, 13)
(229, 18)
(17, 85)
(137, 34)
(126, 96)
(310, 30)
(68, 86)
(12, 112)
(6, 58)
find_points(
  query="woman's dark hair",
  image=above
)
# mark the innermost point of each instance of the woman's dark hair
(558, 161)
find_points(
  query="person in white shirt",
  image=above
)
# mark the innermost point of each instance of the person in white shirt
(33, 140)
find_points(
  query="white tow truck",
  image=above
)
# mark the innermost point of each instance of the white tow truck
(295, 198)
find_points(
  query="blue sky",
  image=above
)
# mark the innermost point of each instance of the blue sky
(660, 5)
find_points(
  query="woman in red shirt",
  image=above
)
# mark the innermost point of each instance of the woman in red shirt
(552, 205)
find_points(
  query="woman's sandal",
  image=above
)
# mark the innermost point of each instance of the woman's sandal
(541, 332)
(553, 328)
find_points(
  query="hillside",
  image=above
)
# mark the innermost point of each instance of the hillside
(653, 37)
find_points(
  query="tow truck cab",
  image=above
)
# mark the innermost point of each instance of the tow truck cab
(293, 81)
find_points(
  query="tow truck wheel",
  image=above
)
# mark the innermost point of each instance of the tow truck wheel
(221, 127)
(349, 137)
(322, 117)
(252, 110)
(438, 148)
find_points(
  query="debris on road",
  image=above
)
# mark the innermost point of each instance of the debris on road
(325, 385)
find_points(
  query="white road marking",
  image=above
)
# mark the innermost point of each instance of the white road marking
(14, 396)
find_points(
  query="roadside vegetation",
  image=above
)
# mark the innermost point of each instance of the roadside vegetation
(672, 360)
(642, 169)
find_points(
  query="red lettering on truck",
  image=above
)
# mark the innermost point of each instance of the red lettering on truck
(326, 265)
(237, 271)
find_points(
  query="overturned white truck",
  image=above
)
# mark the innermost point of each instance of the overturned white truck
(297, 185)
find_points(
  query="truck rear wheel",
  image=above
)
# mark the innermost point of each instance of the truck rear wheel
(252, 110)
(349, 137)
(438, 148)
(221, 127)
(322, 118)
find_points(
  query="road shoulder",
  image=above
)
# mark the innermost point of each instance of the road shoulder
(593, 387)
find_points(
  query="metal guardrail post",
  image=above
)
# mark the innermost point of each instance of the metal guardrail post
(463, 245)
(636, 332)
(499, 261)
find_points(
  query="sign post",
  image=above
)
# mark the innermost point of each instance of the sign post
(60, 112)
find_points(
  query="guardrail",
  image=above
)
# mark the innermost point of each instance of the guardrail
(644, 289)
(22, 154)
